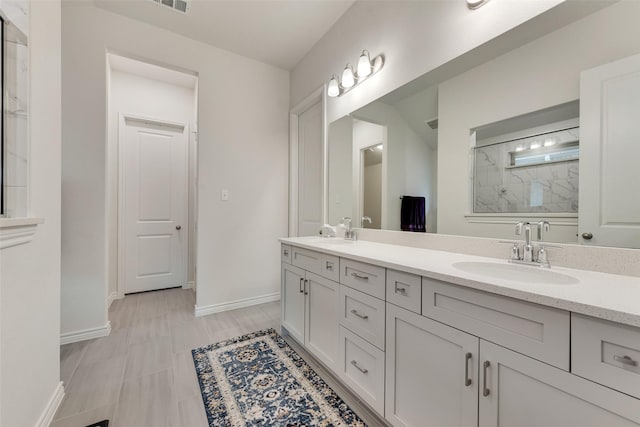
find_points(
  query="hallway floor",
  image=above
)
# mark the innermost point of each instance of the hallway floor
(143, 374)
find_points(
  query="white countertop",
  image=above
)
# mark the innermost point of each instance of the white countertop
(607, 296)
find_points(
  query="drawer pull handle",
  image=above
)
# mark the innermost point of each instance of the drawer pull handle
(354, 363)
(485, 391)
(467, 380)
(357, 276)
(362, 316)
(401, 290)
(306, 292)
(625, 360)
(286, 253)
(301, 280)
(329, 266)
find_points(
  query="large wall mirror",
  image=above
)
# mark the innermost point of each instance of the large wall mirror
(547, 131)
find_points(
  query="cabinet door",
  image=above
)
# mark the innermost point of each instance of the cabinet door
(321, 338)
(292, 301)
(432, 372)
(520, 391)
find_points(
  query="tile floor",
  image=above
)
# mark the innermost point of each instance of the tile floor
(142, 374)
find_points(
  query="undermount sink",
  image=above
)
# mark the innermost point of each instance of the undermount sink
(517, 273)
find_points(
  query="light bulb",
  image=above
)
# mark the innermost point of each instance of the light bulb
(334, 88)
(348, 79)
(364, 64)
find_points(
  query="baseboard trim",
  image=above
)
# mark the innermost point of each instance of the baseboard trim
(232, 305)
(112, 296)
(50, 410)
(87, 334)
(189, 285)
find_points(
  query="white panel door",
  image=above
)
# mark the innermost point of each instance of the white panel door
(609, 152)
(523, 392)
(431, 375)
(154, 204)
(321, 328)
(310, 170)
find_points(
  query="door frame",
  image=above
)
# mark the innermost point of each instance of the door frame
(120, 159)
(318, 95)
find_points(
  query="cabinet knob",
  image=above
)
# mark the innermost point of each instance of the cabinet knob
(178, 227)
(587, 236)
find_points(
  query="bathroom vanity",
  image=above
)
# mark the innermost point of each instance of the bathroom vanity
(433, 338)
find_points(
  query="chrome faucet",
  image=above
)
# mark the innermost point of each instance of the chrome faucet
(349, 233)
(527, 249)
(529, 256)
(365, 218)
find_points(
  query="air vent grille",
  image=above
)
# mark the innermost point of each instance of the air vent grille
(181, 6)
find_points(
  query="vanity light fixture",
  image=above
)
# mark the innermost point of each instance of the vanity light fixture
(334, 87)
(365, 69)
(348, 78)
(364, 65)
(474, 4)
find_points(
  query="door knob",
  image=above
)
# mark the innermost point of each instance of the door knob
(178, 227)
(587, 236)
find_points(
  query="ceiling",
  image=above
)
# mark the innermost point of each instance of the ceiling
(275, 32)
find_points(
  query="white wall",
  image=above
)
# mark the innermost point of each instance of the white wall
(30, 278)
(415, 37)
(541, 74)
(143, 97)
(243, 146)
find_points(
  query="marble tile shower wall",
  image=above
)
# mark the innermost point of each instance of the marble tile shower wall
(16, 66)
(534, 189)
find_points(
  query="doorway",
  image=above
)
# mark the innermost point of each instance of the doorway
(152, 140)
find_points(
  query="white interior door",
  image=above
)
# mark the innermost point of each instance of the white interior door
(609, 152)
(310, 170)
(153, 188)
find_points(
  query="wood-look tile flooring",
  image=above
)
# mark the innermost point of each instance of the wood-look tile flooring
(142, 374)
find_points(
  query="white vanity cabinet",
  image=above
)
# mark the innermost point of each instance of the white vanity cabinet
(432, 372)
(423, 352)
(521, 391)
(309, 311)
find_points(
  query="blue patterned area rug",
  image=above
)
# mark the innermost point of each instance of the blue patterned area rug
(258, 380)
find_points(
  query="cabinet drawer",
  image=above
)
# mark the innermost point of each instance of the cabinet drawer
(366, 278)
(330, 266)
(285, 254)
(306, 259)
(404, 290)
(362, 369)
(363, 315)
(537, 331)
(606, 352)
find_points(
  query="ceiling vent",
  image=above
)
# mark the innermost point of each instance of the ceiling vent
(181, 6)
